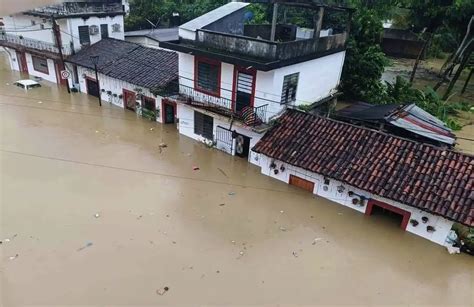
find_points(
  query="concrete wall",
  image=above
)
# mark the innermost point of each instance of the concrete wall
(51, 76)
(12, 59)
(185, 115)
(74, 23)
(333, 193)
(20, 24)
(232, 23)
(115, 86)
(317, 79)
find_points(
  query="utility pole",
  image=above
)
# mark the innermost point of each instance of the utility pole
(274, 21)
(57, 36)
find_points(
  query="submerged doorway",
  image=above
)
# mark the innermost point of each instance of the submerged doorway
(302, 183)
(389, 213)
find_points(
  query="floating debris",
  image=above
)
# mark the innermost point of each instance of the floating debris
(233, 242)
(282, 228)
(218, 271)
(221, 205)
(151, 129)
(40, 102)
(340, 213)
(89, 244)
(223, 173)
(231, 193)
(282, 211)
(316, 240)
(162, 291)
(97, 215)
(195, 168)
(174, 242)
(163, 145)
(13, 257)
(295, 254)
(139, 217)
(97, 131)
(241, 253)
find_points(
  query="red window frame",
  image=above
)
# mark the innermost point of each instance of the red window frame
(217, 63)
(252, 72)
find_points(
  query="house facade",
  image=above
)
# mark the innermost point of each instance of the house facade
(426, 188)
(31, 38)
(130, 76)
(236, 77)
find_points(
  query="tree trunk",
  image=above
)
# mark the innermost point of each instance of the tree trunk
(463, 64)
(415, 67)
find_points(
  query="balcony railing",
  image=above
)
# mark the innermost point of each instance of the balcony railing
(72, 8)
(32, 43)
(251, 116)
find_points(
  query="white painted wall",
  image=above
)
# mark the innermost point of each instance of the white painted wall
(51, 76)
(318, 79)
(19, 24)
(185, 114)
(115, 86)
(74, 23)
(12, 59)
(442, 225)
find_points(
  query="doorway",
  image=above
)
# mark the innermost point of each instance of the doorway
(22, 65)
(129, 100)
(169, 112)
(242, 145)
(92, 87)
(244, 89)
(389, 213)
(302, 183)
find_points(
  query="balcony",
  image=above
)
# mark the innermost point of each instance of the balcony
(251, 116)
(17, 41)
(77, 8)
(266, 49)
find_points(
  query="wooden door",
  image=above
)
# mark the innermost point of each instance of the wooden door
(92, 87)
(129, 100)
(302, 183)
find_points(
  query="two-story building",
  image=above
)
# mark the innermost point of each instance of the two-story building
(33, 39)
(235, 76)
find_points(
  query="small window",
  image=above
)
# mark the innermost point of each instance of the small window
(104, 30)
(208, 76)
(204, 125)
(290, 85)
(40, 64)
(148, 103)
(84, 38)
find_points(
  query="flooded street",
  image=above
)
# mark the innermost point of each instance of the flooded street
(96, 215)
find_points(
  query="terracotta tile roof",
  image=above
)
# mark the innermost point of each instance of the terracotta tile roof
(423, 176)
(130, 62)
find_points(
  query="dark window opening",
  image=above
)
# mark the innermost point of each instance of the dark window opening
(387, 215)
(104, 30)
(149, 103)
(208, 76)
(204, 125)
(84, 38)
(40, 64)
(290, 85)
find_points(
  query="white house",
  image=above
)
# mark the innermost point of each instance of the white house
(426, 188)
(130, 76)
(31, 38)
(235, 77)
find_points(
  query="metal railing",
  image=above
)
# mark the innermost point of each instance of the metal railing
(33, 43)
(71, 8)
(250, 116)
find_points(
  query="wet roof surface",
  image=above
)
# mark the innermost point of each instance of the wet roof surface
(130, 62)
(161, 35)
(423, 176)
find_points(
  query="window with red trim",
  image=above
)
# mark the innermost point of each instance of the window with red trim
(208, 76)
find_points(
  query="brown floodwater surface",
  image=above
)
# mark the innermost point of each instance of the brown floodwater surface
(97, 216)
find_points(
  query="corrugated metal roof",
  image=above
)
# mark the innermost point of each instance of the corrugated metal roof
(161, 35)
(213, 16)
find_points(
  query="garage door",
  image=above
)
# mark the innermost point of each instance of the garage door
(302, 183)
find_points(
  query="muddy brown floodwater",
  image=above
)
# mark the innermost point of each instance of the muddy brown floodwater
(96, 216)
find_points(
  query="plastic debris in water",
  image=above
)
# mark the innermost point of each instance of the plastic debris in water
(316, 240)
(282, 211)
(295, 254)
(13, 257)
(282, 228)
(231, 193)
(233, 242)
(97, 215)
(89, 244)
(241, 253)
(162, 291)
